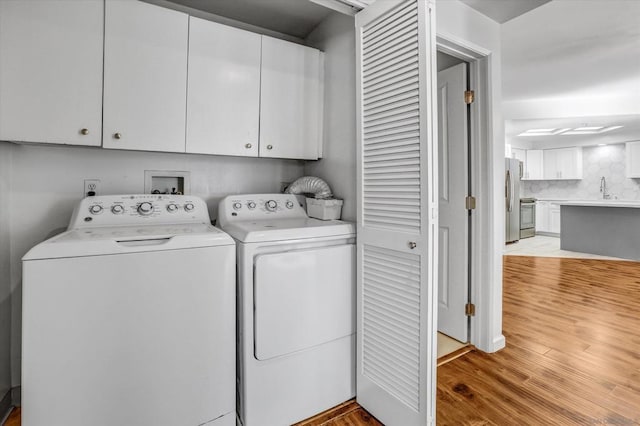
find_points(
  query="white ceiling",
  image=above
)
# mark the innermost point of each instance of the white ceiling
(629, 132)
(583, 55)
(292, 17)
(299, 17)
(503, 10)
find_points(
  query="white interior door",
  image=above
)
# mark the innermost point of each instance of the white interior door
(397, 212)
(453, 182)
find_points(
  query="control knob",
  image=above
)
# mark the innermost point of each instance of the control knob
(172, 208)
(251, 205)
(117, 209)
(271, 205)
(237, 206)
(95, 209)
(145, 208)
(289, 204)
(188, 207)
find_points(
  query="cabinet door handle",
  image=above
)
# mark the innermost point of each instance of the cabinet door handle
(269, 147)
(117, 135)
(84, 132)
(248, 146)
(412, 245)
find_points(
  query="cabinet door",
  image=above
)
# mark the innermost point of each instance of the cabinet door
(542, 212)
(569, 163)
(632, 154)
(554, 218)
(223, 95)
(51, 71)
(550, 164)
(145, 77)
(291, 101)
(534, 164)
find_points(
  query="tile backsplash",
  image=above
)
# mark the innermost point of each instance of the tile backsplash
(598, 161)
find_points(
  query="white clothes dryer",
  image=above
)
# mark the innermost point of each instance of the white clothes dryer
(296, 309)
(129, 317)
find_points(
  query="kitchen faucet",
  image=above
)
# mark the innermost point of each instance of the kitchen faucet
(603, 188)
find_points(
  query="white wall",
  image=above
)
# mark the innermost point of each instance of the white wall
(336, 37)
(47, 182)
(5, 282)
(461, 24)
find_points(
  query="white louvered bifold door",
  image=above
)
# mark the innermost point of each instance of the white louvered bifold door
(397, 211)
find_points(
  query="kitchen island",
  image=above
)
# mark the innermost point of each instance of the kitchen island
(604, 227)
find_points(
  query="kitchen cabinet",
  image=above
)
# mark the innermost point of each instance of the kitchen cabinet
(562, 163)
(547, 218)
(223, 95)
(534, 165)
(145, 77)
(51, 71)
(290, 100)
(632, 154)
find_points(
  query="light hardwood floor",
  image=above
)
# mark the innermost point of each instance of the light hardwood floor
(572, 357)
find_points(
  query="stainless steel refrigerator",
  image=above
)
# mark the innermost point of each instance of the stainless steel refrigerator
(513, 173)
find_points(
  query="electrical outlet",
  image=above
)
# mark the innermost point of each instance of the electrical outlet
(91, 187)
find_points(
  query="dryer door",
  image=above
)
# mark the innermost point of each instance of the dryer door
(302, 299)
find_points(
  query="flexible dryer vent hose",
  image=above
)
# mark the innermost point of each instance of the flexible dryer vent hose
(310, 185)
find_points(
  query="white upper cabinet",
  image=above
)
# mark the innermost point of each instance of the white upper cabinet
(533, 166)
(51, 71)
(291, 100)
(632, 154)
(563, 163)
(223, 97)
(145, 77)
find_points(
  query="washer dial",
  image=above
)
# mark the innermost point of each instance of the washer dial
(251, 205)
(172, 208)
(289, 204)
(271, 205)
(188, 207)
(237, 206)
(145, 208)
(117, 209)
(95, 209)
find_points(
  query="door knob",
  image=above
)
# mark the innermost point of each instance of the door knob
(412, 245)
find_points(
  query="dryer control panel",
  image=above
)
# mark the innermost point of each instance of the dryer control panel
(143, 209)
(259, 207)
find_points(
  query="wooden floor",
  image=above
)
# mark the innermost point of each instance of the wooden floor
(572, 357)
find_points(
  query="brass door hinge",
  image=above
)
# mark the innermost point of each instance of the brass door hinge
(469, 96)
(470, 202)
(470, 310)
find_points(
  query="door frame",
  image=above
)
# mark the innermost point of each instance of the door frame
(485, 257)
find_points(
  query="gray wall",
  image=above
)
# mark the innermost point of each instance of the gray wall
(48, 181)
(5, 281)
(336, 37)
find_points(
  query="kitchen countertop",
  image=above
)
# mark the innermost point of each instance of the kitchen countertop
(603, 203)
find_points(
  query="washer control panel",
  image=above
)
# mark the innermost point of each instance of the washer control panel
(259, 207)
(131, 210)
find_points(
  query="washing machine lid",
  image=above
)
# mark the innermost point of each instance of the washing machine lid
(132, 239)
(288, 229)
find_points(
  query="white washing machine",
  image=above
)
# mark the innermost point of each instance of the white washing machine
(296, 309)
(129, 317)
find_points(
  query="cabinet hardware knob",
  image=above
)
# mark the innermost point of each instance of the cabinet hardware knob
(248, 146)
(84, 132)
(412, 245)
(117, 135)
(269, 147)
